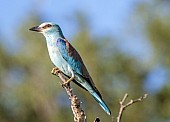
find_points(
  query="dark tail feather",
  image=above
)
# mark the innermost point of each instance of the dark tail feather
(101, 102)
(87, 84)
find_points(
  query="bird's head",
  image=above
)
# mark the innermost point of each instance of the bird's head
(47, 28)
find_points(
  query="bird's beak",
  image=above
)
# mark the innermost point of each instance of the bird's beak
(36, 28)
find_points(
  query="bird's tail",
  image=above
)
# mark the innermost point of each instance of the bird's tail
(101, 102)
(89, 86)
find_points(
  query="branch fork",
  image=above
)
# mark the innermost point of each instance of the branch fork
(124, 106)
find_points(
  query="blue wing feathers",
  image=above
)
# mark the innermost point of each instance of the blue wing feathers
(75, 61)
(61, 45)
(72, 61)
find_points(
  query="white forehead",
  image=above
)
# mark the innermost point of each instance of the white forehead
(45, 23)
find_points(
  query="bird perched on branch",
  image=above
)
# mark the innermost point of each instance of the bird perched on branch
(68, 61)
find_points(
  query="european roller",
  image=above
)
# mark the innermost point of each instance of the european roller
(64, 56)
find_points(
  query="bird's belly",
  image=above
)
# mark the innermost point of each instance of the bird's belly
(59, 61)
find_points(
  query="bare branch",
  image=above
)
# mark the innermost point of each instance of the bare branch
(123, 107)
(79, 114)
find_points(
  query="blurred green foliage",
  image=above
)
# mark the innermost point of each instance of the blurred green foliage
(29, 93)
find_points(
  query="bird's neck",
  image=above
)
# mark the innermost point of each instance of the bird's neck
(52, 37)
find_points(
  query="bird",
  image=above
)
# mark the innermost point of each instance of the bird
(65, 57)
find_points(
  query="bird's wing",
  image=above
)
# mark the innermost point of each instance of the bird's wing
(74, 60)
(72, 57)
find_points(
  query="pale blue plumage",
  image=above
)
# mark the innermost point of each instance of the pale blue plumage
(67, 59)
(75, 65)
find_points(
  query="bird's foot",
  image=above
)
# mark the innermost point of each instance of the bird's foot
(55, 71)
(67, 82)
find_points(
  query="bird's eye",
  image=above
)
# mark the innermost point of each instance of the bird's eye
(47, 26)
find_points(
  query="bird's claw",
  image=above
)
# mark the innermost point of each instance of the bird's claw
(55, 71)
(65, 84)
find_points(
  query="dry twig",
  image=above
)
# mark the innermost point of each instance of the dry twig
(79, 115)
(123, 107)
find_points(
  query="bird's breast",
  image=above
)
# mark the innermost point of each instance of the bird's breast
(58, 60)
